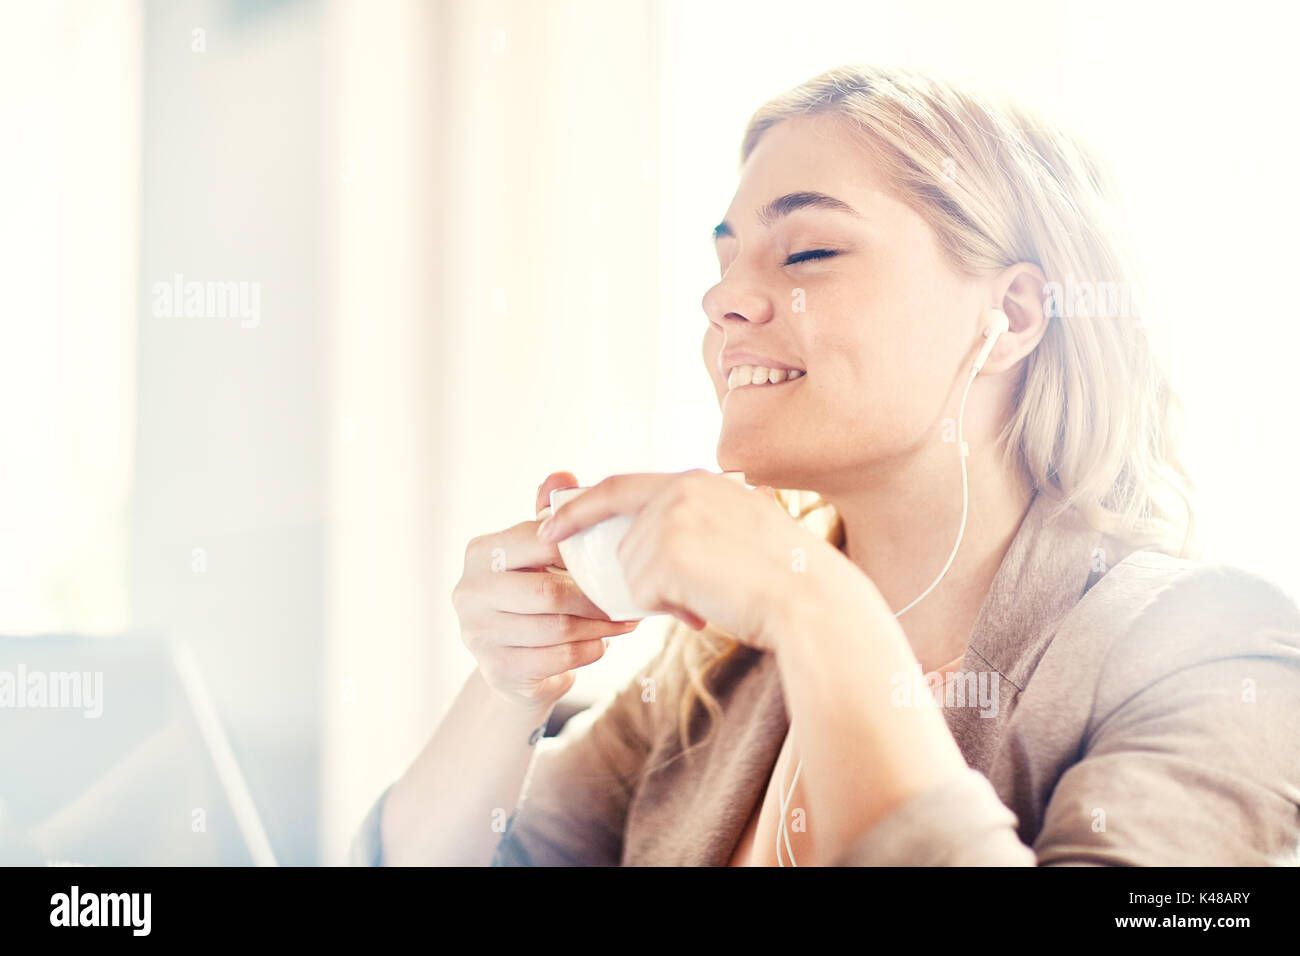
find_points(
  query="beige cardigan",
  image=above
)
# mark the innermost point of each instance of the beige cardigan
(1136, 709)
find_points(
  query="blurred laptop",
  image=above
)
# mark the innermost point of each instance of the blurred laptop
(112, 754)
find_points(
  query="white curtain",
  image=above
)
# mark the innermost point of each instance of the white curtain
(496, 317)
(69, 188)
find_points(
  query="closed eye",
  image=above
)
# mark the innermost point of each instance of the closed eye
(810, 255)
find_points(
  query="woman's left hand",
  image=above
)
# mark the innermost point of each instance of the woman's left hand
(705, 548)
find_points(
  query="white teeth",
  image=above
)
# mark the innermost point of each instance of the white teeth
(760, 375)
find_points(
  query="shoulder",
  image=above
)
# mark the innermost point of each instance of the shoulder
(1159, 615)
(1166, 724)
(1161, 595)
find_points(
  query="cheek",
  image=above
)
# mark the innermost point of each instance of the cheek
(874, 378)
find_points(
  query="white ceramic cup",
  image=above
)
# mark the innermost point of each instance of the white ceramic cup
(591, 557)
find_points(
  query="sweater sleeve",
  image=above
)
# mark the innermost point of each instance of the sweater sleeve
(960, 822)
(574, 805)
(1190, 757)
(1192, 751)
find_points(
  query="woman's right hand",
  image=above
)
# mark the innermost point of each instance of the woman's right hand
(527, 627)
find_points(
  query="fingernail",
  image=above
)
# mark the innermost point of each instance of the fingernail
(606, 640)
(545, 529)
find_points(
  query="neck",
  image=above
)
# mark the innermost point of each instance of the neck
(901, 529)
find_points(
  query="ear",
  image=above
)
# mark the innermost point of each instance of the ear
(1018, 291)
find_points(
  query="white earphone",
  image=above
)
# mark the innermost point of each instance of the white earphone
(996, 324)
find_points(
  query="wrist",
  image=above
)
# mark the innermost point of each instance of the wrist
(829, 596)
(530, 719)
(515, 708)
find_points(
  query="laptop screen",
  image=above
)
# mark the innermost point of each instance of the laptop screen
(111, 754)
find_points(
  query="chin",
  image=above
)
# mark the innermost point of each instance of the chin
(761, 463)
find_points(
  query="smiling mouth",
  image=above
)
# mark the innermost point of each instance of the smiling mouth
(757, 376)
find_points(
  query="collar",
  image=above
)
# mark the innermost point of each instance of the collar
(1054, 558)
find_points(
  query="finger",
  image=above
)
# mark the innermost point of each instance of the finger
(547, 630)
(556, 479)
(691, 620)
(531, 592)
(637, 551)
(539, 663)
(643, 532)
(513, 549)
(619, 494)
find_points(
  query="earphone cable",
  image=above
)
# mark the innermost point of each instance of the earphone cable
(962, 451)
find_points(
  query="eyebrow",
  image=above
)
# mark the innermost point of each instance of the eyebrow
(784, 205)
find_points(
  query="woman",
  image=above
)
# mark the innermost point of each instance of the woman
(1092, 695)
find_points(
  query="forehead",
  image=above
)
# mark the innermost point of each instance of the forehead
(819, 153)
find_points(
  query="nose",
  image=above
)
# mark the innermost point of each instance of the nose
(727, 300)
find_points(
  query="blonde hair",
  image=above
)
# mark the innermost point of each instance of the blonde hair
(1095, 420)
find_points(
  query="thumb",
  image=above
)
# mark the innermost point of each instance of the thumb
(556, 479)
